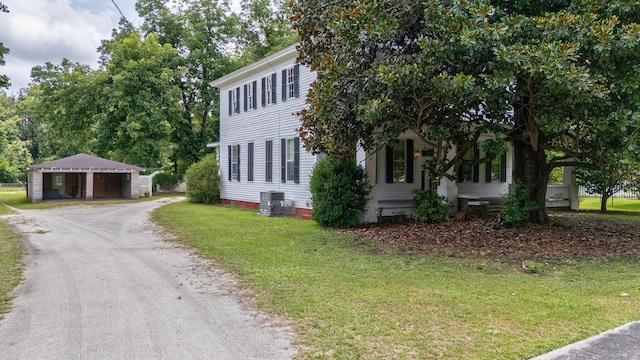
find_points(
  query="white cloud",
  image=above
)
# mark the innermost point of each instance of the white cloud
(37, 31)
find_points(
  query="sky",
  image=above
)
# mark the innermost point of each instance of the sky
(37, 31)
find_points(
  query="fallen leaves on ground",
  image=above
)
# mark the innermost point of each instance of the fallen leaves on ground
(570, 235)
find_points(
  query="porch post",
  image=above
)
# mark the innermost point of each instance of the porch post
(368, 162)
(89, 186)
(570, 181)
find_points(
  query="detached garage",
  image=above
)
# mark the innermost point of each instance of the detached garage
(82, 176)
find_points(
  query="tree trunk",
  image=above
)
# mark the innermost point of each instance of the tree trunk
(603, 202)
(530, 168)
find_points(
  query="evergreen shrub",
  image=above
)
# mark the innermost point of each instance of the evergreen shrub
(339, 190)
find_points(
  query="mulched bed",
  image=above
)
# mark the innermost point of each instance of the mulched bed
(570, 235)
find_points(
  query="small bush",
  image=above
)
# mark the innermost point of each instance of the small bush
(516, 207)
(339, 190)
(167, 181)
(203, 181)
(429, 206)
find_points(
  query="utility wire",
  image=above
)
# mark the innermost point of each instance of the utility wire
(120, 11)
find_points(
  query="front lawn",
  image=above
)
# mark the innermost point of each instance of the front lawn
(613, 204)
(346, 300)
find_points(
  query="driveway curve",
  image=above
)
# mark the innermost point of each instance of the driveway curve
(101, 282)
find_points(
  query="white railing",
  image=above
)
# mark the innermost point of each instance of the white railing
(558, 192)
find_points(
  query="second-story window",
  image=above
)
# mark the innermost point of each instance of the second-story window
(250, 96)
(269, 90)
(291, 82)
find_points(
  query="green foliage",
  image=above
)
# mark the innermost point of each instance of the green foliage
(615, 172)
(429, 206)
(563, 72)
(167, 181)
(516, 206)
(339, 190)
(203, 181)
(14, 154)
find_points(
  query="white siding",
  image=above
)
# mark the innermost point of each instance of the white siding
(270, 122)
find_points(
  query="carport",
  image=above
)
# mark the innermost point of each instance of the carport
(82, 176)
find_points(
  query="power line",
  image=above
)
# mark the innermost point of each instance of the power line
(120, 11)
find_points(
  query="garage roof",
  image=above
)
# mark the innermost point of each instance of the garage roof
(86, 162)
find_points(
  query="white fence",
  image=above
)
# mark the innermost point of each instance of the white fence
(619, 194)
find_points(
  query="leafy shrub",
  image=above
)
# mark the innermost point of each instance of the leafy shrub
(167, 181)
(516, 207)
(429, 206)
(203, 181)
(339, 190)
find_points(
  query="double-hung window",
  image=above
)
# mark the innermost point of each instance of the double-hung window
(234, 162)
(399, 162)
(496, 169)
(234, 101)
(290, 160)
(470, 171)
(291, 82)
(269, 90)
(250, 96)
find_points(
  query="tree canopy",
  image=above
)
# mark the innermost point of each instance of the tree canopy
(150, 102)
(544, 75)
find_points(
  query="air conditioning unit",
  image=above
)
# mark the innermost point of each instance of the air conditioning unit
(272, 203)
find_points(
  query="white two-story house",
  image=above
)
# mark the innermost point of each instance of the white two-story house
(260, 150)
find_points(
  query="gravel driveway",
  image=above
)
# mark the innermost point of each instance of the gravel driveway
(101, 283)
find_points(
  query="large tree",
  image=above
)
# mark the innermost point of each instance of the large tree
(203, 33)
(138, 100)
(544, 75)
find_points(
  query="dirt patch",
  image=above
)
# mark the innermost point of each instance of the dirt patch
(570, 235)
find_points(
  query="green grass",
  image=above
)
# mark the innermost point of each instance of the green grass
(345, 302)
(614, 204)
(10, 270)
(18, 199)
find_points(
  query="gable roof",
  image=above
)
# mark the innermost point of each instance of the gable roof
(86, 162)
(288, 54)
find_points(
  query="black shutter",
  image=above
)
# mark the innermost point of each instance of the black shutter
(264, 91)
(296, 81)
(283, 160)
(268, 174)
(238, 158)
(230, 103)
(254, 104)
(274, 82)
(250, 161)
(503, 167)
(409, 161)
(229, 162)
(461, 172)
(476, 166)
(238, 100)
(245, 98)
(389, 164)
(284, 85)
(296, 160)
(487, 171)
